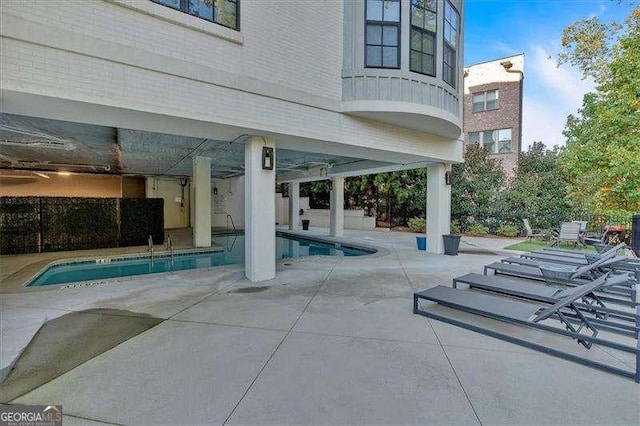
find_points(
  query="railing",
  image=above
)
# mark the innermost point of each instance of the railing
(150, 241)
(170, 245)
(230, 218)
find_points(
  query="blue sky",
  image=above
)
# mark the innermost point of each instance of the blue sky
(498, 28)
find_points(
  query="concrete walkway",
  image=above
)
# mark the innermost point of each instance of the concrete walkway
(332, 340)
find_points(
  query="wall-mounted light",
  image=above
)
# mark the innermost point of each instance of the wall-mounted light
(267, 158)
(447, 177)
(330, 185)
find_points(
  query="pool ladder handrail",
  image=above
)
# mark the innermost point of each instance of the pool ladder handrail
(170, 245)
(229, 217)
(150, 242)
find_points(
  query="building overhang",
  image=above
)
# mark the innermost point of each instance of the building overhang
(419, 117)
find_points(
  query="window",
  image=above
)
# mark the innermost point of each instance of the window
(423, 36)
(451, 25)
(382, 36)
(496, 141)
(483, 101)
(223, 12)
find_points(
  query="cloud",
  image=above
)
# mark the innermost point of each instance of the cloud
(550, 95)
(602, 8)
(542, 121)
(502, 47)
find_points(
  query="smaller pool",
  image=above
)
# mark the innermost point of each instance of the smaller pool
(233, 253)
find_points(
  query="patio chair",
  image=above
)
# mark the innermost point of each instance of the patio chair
(569, 233)
(532, 315)
(529, 231)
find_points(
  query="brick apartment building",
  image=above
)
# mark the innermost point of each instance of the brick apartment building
(493, 108)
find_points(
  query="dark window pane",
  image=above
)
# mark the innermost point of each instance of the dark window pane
(427, 64)
(489, 140)
(171, 3)
(416, 40)
(492, 104)
(226, 13)
(374, 34)
(392, 11)
(504, 140)
(428, 43)
(201, 8)
(374, 56)
(417, 17)
(416, 61)
(374, 10)
(474, 138)
(430, 21)
(390, 35)
(390, 56)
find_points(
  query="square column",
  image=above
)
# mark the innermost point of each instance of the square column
(337, 207)
(294, 206)
(259, 212)
(438, 206)
(201, 179)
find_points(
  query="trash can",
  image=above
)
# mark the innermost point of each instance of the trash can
(305, 224)
(421, 242)
(451, 244)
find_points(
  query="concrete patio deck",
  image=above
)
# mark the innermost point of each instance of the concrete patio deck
(332, 340)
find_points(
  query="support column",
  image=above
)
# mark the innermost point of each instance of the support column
(201, 181)
(259, 212)
(294, 206)
(438, 206)
(337, 207)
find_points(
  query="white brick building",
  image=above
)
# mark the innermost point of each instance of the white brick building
(338, 88)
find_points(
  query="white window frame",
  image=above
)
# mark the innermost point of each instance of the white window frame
(484, 100)
(496, 143)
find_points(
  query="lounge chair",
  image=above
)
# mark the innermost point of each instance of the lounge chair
(623, 263)
(529, 233)
(569, 233)
(591, 303)
(568, 275)
(573, 322)
(554, 251)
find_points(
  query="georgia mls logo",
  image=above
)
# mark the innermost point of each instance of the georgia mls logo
(31, 415)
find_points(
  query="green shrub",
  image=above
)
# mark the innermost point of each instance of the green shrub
(507, 231)
(417, 224)
(478, 229)
(455, 227)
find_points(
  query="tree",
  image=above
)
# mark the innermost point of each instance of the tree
(602, 156)
(538, 191)
(475, 186)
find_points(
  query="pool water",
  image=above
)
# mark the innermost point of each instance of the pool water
(233, 253)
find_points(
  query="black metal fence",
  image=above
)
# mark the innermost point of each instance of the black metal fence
(47, 224)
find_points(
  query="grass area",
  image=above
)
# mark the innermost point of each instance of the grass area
(537, 245)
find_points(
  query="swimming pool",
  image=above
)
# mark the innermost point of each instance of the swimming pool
(232, 253)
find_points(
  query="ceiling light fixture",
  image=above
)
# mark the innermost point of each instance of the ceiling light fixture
(63, 173)
(39, 144)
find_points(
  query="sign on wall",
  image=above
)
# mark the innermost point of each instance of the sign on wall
(221, 204)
